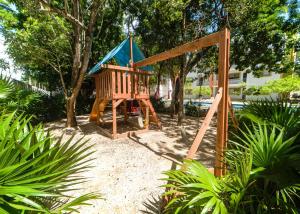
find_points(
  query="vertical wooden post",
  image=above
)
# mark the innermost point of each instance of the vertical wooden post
(131, 51)
(114, 114)
(113, 83)
(147, 118)
(222, 127)
(124, 83)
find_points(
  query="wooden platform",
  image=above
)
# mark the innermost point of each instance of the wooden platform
(117, 84)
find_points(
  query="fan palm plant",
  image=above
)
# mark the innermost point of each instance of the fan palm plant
(6, 87)
(274, 112)
(263, 177)
(36, 172)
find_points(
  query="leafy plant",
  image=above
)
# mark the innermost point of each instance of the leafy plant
(278, 113)
(6, 87)
(158, 104)
(37, 173)
(195, 190)
(193, 110)
(276, 158)
(263, 176)
(201, 91)
(14, 97)
(283, 86)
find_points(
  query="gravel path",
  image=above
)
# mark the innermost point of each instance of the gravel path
(127, 172)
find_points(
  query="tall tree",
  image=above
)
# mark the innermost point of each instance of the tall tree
(263, 32)
(55, 39)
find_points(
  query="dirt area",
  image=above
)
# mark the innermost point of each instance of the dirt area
(127, 172)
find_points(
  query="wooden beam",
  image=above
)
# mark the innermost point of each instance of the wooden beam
(195, 45)
(222, 125)
(114, 116)
(205, 125)
(117, 103)
(122, 68)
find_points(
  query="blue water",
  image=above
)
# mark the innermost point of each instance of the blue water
(208, 104)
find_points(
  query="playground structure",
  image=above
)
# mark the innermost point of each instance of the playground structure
(119, 83)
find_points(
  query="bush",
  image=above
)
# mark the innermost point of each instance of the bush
(37, 172)
(272, 112)
(193, 110)
(158, 104)
(43, 107)
(263, 177)
(201, 90)
(263, 164)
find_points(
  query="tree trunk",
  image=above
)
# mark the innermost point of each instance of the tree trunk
(181, 96)
(173, 98)
(71, 117)
(158, 82)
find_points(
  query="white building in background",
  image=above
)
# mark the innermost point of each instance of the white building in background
(238, 82)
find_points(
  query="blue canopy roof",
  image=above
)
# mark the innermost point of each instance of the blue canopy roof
(121, 54)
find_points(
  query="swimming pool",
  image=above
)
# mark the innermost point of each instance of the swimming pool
(236, 106)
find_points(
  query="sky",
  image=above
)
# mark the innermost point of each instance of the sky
(12, 72)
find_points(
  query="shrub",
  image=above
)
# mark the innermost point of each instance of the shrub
(43, 107)
(158, 104)
(279, 113)
(201, 90)
(37, 172)
(263, 177)
(263, 164)
(192, 110)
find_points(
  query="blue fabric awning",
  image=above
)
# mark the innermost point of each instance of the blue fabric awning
(121, 54)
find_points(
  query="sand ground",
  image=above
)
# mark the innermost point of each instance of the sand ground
(127, 172)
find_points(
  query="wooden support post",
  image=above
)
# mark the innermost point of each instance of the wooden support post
(146, 126)
(113, 83)
(204, 125)
(222, 126)
(114, 123)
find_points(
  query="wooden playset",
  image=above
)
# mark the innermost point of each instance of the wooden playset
(118, 84)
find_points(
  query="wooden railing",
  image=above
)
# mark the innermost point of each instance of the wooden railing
(120, 84)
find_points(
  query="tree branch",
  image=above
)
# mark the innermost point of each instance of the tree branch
(88, 43)
(63, 13)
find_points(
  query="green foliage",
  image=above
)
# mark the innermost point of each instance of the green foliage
(263, 162)
(264, 34)
(193, 110)
(158, 104)
(196, 189)
(14, 97)
(4, 65)
(201, 90)
(6, 88)
(37, 172)
(278, 113)
(282, 86)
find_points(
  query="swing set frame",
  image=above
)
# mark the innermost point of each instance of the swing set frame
(221, 103)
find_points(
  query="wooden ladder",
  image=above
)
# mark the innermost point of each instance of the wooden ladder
(144, 103)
